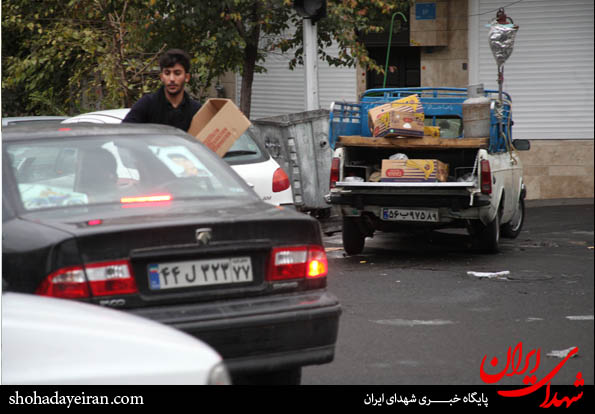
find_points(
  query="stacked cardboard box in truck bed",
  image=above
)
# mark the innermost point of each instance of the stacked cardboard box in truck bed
(403, 117)
(413, 171)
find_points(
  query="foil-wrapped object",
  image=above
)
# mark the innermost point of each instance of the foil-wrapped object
(501, 39)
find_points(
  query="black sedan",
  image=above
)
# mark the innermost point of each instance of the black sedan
(145, 219)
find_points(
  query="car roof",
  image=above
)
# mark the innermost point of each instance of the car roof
(108, 116)
(44, 130)
(13, 120)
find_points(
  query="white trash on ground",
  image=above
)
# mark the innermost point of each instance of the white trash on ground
(490, 275)
(562, 353)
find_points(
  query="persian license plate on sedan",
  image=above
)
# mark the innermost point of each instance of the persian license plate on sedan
(200, 273)
(402, 214)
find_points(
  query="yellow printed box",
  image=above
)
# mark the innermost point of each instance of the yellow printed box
(432, 131)
(413, 171)
(403, 117)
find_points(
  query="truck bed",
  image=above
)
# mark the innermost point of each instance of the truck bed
(462, 184)
(425, 142)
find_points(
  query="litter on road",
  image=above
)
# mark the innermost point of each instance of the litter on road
(562, 353)
(490, 275)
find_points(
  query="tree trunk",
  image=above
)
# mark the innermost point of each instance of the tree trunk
(250, 56)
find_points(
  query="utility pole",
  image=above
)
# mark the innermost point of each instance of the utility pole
(311, 11)
(311, 64)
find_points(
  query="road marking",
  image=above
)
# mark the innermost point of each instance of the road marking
(588, 233)
(414, 322)
(580, 318)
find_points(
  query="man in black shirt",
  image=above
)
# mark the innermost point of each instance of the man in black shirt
(170, 105)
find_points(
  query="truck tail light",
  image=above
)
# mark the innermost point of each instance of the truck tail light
(335, 166)
(95, 279)
(486, 177)
(297, 262)
(280, 180)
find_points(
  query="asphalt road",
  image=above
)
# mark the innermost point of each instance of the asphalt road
(412, 314)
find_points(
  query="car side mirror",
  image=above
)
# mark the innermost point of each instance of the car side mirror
(521, 144)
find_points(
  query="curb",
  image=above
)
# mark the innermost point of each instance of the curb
(559, 202)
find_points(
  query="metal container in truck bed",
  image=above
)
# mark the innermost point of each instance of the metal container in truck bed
(484, 191)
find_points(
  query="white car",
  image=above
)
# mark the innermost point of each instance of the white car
(20, 120)
(58, 341)
(247, 157)
(109, 116)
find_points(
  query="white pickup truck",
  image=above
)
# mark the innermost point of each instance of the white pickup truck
(483, 190)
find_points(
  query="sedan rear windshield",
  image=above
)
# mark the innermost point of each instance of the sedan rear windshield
(245, 150)
(69, 172)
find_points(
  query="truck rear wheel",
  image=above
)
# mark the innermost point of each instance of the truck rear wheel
(513, 228)
(488, 236)
(353, 238)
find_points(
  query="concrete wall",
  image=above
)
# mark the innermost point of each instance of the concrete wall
(444, 51)
(559, 169)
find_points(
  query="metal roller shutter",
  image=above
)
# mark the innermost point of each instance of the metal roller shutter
(281, 91)
(550, 72)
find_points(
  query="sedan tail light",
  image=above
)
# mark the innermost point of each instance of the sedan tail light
(280, 180)
(297, 262)
(317, 263)
(146, 199)
(111, 278)
(67, 283)
(95, 279)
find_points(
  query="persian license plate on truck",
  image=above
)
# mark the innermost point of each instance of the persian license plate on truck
(402, 214)
(200, 273)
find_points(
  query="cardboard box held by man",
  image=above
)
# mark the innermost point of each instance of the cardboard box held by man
(218, 124)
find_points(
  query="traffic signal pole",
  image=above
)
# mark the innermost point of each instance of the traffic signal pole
(311, 11)
(311, 65)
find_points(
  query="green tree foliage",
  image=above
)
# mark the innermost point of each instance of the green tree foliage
(222, 36)
(346, 23)
(62, 56)
(236, 35)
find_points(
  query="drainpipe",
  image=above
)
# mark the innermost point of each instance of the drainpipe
(390, 39)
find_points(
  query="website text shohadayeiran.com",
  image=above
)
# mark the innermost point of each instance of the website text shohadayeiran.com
(56, 398)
